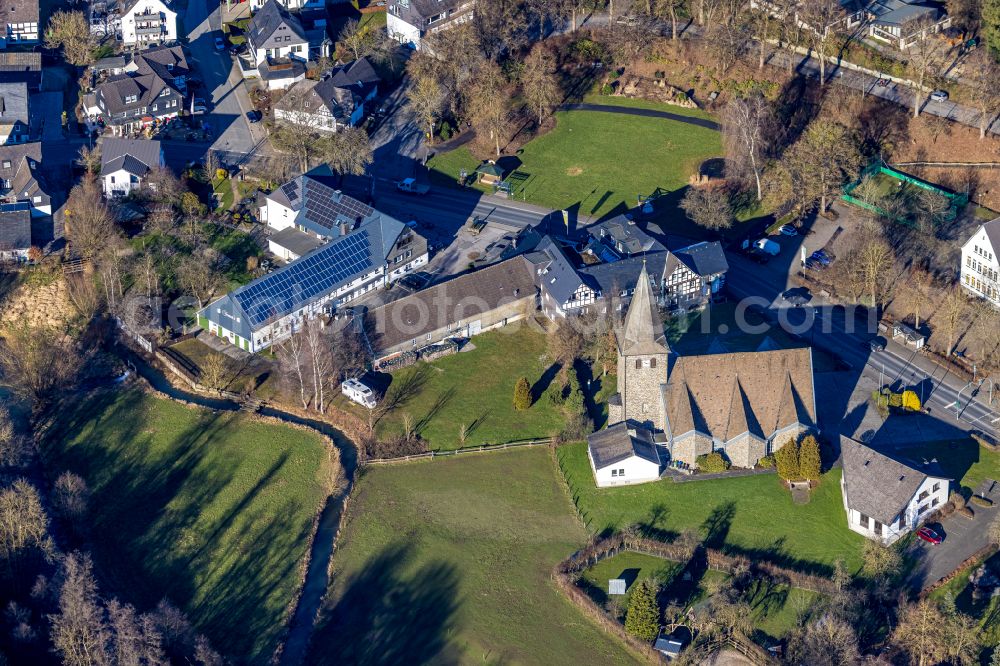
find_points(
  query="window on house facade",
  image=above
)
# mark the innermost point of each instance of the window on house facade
(638, 363)
(614, 473)
(863, 521)
(621, 472)
(937, 486)
(652, 362)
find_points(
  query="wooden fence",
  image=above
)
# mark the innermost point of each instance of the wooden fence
(431, 455)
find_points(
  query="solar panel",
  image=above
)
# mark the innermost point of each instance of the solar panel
(306, 279)
(291, 191)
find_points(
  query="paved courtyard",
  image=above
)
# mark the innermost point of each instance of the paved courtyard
(963, 538)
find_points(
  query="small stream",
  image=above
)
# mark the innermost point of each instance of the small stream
(323, 544)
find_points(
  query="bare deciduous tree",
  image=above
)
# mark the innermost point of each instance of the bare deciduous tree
(199, 276)
(821, 161)
(79, 630)
(983, 73)
(746, 127)
(426, 98)
(70, 31)
(70, 496)
(541, 90)
(488, 105)
(708, 207)
(89, 223)
(926, 57)
(347, 151)
(292, 356)
(37, 360)
(953, 312)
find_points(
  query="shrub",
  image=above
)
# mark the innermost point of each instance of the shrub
(966, 512)
(787, 460)
(607, 89)
(957, 500)
(767, 462)
(810, 462)
(982, 501)
(522, 394)
(712, 462)
(555, 395)
(642, 619)
(221, 174)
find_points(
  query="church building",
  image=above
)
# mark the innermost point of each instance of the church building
(744, 404)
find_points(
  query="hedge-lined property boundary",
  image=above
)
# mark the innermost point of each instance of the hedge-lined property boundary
(566, 573)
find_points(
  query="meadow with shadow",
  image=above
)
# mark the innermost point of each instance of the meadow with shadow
(211, 510)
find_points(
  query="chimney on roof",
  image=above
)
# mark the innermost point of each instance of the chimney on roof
(344, 228)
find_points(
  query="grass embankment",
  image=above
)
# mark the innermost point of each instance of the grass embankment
(450, 561)
(211, 510)
(752, 516)
(595, 163)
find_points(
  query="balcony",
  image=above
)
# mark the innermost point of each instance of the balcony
(145, 30)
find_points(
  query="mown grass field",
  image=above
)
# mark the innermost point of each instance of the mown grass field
(450, 561)
(752, 515)
(594, 163)
(476, 388)
(210, 510)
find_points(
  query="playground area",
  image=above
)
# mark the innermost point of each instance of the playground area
(898, 196)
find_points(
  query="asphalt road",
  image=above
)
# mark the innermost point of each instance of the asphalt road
(223, 83)
(945, 395)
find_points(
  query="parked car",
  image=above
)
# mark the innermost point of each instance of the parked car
(821, 257)
(814, 264)
(757, 256)
(929, 535)
(768, 247)
(220, 44)
(940, 95)
(877, 344)
(254, 116)
(198, 105)
(788, 230)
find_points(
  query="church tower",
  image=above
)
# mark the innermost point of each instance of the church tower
(642, 360)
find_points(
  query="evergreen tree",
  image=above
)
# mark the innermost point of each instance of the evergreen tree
(787, 460)
(810, 461)
(522, 394)
(642, 619)
(575, 402)
(991, 24)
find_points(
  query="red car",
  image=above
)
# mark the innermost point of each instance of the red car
(929, 535)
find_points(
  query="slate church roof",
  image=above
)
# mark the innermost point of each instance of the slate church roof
(642, 332)
(725, 395)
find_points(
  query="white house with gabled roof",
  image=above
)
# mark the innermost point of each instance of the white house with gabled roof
(981, 262)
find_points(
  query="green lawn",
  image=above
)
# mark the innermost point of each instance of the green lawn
(749, 515)
(210, 510)
(775, 607)
(450, 561)
(594, 163)
(476, 388)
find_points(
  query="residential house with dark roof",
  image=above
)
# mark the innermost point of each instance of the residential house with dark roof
(151, 90)
(20, 67)
(461, 307)
(14, 118)
(19, 22)
(885, 498)
(693, 275)
(376, 251)
(22, 178)
(125, 163)
(335, 101)
(570, 285)
(902, 23)
(409, 21)
(15, 232)
(623, 237)
(623, 454)
(741, 404)
(277, 47)
(146, 22)
(980, 270)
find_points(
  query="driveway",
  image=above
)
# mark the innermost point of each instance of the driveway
(963, 538)
(223, 85)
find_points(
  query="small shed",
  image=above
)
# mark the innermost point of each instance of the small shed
(909, 336)
(489, 173)
(669, 645)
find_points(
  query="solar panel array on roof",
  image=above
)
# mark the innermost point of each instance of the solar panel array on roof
(291, 191)
(305, 279)
(14, 207)
(328, 208)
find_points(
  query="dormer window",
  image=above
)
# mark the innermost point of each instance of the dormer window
(164, 92)
(131, 99)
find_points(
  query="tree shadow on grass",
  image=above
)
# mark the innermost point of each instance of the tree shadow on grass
(382, 617)
(439, 404)
(539, 388)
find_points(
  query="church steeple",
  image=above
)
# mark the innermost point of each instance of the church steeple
(643, 329)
